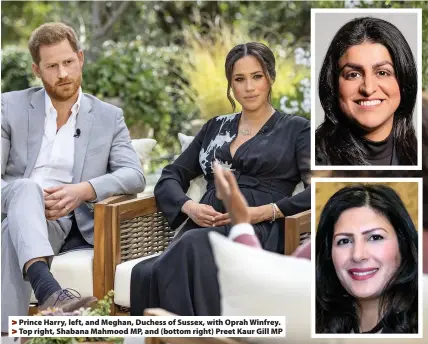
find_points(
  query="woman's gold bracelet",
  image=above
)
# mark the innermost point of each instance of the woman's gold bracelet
(273, 205)
(278, 212)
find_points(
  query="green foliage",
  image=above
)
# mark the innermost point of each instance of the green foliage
(20, 18)
(41, 340)
(167, 65)
(102, 309)
(16, 71)
(103, 306)
(148, 85)
(206, 73)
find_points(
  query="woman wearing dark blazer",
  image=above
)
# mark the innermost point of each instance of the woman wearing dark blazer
(367, 88)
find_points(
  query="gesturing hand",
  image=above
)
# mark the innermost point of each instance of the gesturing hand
(202, 214)
(61, 200)
(227, 190)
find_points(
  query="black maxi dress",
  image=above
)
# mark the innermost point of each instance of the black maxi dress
(183, 279)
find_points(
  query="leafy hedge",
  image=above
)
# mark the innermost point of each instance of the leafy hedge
(148, 84)
(16, 71)
(144, 81)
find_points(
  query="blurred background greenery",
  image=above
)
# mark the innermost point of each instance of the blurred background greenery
(163, 62)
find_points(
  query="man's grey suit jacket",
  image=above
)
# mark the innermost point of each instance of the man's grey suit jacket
(103, 154)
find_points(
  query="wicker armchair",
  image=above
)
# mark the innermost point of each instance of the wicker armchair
(127, 228)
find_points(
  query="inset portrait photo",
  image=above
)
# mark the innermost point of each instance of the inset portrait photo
(366, 89)
(367, 280)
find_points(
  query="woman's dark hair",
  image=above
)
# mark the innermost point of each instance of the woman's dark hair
(336, 138)
(261, 52)
(336, 309)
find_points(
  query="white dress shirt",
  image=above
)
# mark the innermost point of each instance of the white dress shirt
(54, 164)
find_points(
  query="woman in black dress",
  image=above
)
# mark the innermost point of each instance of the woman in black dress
(269, 154)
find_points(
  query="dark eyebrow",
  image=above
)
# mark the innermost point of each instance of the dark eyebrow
(360, 68)
(364, 233)
(380, 64)
(251, 73)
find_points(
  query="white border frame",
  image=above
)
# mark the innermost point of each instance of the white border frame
(314, 78)
(314, 182)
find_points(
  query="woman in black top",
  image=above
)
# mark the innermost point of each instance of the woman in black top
(269, 154)
(366, 263)
(367, 88)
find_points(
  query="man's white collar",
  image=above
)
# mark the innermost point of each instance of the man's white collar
(74, 109)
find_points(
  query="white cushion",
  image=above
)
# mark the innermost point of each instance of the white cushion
(185, 141)
(143, 147)
(258, 283)
(198, 186)
(255, 282)
(122, 281)
(74, 270)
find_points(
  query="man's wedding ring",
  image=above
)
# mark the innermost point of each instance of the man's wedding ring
(67, 209)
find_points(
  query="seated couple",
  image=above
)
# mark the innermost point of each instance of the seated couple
(52, 173)
(63, 150)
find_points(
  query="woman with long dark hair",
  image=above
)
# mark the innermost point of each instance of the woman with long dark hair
(367, 88)
(366, 263)
(269, 154)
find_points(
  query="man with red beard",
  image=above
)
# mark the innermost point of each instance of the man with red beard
(62, 150)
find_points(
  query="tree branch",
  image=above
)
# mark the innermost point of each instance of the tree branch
(102, 31)
(96, 19)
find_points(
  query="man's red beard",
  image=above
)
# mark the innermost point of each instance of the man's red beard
(63, 93)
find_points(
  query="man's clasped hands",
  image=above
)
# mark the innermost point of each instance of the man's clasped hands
(63, 199)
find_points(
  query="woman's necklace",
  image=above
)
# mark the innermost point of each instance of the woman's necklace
(245, 132)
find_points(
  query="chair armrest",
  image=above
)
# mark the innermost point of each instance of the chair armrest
(102, 220)
(116, 199)
(294, 226)
(181, 340)
(125, 228)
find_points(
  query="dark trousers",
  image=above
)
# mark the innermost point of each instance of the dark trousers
(182, 280)
(74, 240)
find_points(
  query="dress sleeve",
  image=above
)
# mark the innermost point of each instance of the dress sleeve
(170, 190)
(302, 201)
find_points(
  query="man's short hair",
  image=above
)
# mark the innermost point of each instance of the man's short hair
(51, 33)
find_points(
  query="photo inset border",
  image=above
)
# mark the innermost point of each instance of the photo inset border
(343, 16)
(416, 216)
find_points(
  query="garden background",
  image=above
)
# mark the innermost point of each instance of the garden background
(163, 62)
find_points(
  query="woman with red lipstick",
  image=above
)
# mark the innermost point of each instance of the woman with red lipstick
(366, 263)
(367, 88)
